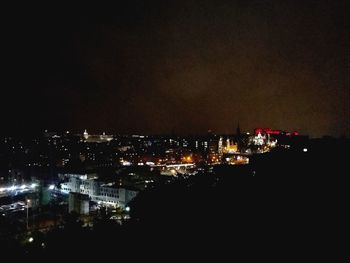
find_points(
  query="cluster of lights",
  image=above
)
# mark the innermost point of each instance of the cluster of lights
(16, 187)
(275, 132)
(126, 163)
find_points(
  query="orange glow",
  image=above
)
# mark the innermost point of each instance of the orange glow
(188, 159)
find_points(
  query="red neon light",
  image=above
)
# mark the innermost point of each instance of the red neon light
(275, 132)
(268, 131)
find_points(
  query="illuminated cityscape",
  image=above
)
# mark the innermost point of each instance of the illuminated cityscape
(158, 129)
(46, 179)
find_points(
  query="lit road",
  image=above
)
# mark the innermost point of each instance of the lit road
(17, 189)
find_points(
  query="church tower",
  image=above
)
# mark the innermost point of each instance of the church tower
(86, 135)
(239, 138)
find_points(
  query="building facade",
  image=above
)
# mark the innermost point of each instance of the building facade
(105, 193)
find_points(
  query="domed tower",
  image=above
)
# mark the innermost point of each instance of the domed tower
(85, 135)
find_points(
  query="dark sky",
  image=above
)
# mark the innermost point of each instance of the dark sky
(186, 66)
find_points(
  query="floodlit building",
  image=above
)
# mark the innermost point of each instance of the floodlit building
(99, 192)
(97, 138)
(231, 147)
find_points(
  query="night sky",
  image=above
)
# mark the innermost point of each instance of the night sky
(183, 67)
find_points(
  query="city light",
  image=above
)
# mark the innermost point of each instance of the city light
(126, 163)
(119, 174)
(207, 119)
(27, 219)
(22, 187)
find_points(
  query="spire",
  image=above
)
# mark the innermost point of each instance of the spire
(238, 130)
(239, 138)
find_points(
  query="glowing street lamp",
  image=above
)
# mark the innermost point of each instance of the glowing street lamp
(28, 202)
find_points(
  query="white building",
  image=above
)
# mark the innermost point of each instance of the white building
(99, 192)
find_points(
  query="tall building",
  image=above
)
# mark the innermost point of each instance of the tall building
(220, 145)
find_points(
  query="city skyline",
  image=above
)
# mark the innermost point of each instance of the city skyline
(183, 67)
(160, 128)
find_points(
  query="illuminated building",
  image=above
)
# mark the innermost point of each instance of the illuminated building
(205, 143)
(106, 193)
(86, 135)
(259, 139)
(97, 138)
(274, 132)
(220, 145)
(230, 147)
(236, 159)
(266, 138)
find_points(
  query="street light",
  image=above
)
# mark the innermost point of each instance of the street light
(28, 202)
